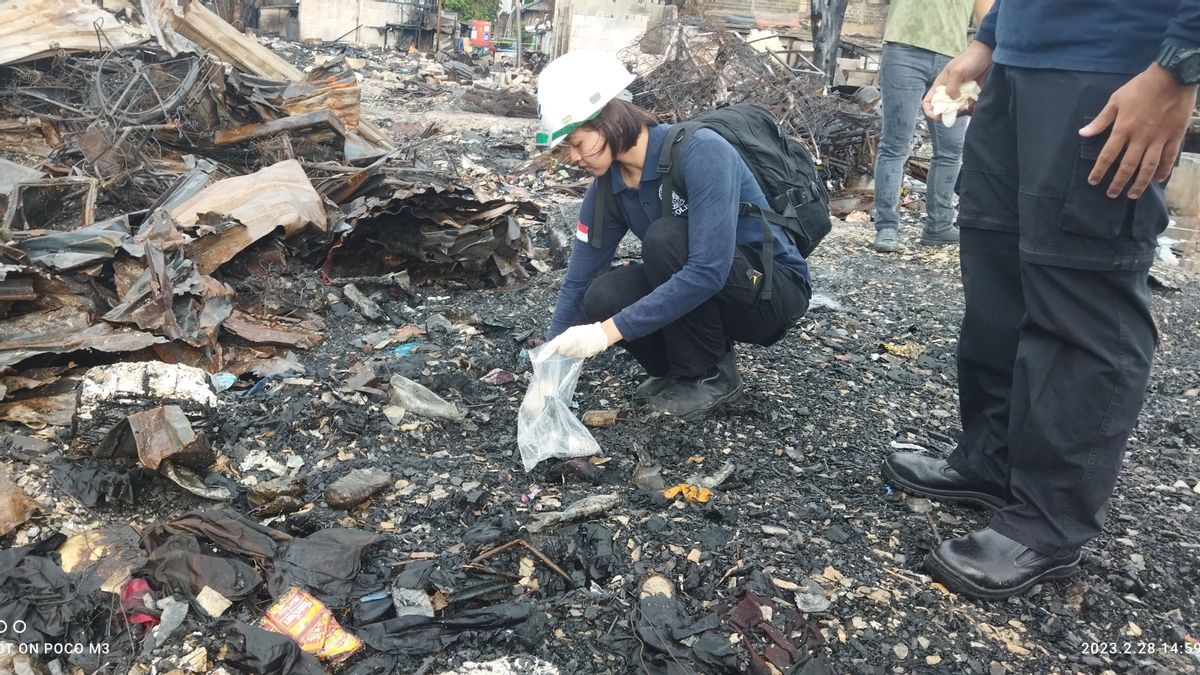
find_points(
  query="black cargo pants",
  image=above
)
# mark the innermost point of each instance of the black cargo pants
(692, 345)
(1057, 338)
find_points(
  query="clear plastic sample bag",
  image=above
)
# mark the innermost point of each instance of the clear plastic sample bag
(546, 427)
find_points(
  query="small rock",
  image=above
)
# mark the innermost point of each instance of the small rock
(933, 659)
(775, 530)
(919, 505)
(365, 306)
(901, 651)
(394, 414)
(1181, 484)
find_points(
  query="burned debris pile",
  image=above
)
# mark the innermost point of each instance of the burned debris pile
(704, 65)
(155, 179)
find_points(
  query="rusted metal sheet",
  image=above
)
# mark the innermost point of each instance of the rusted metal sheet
(53, 410)
(155, 435)
(279, 196)
(32, 29)
(65, 330)
(306, 334)
(316, 122)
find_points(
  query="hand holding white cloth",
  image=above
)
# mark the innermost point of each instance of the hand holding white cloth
(580, 342)
(948, 108)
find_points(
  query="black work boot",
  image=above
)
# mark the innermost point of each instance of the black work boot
(944, 237)
(989, 565)
(651, 387)
(932, 477)
(693, 398)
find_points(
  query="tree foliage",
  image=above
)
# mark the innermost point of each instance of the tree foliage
(471, 9)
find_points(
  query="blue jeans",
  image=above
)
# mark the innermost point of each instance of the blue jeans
(906, 73)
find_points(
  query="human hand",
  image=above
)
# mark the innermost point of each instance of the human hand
(580, 342)
(971, 65)
(1149, 117)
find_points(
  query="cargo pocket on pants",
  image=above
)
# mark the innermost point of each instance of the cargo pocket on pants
(1087, 210)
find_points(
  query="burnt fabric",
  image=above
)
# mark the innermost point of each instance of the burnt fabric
(55, 606)
(94, 483)
(265, 652)
(227, 529)
(326, 563)
(415, 635)
(182, 565)
(1057, 337)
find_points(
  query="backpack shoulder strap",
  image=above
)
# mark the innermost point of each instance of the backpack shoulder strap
(670, 163)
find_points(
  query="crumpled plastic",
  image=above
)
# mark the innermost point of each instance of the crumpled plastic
(546, 427)
(416, 635)
(948, 108)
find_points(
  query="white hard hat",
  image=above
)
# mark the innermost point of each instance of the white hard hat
(573, 88)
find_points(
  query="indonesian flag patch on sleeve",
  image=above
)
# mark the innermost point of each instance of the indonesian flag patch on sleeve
(581, 232)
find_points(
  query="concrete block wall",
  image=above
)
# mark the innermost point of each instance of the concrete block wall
(603, 25)
(863, 17)
(331, 19)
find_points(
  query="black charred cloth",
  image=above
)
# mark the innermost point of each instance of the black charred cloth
(256, 650)
(326, 563)
(415, 635)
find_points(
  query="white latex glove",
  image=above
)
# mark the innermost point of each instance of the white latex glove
(947, 108)
(580, 342)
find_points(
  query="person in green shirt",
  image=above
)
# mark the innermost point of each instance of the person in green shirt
(920, 38)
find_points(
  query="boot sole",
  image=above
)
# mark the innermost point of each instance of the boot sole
(964, 586)
(886, 249)
(934, 244)
(697, 415)
(970, 497)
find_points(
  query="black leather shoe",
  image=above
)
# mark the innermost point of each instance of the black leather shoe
(651, 387)
(987, 564)
(932, 477)
(693, 398)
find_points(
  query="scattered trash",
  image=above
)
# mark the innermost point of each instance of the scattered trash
(137, 603)
(531, 495)
(356, 487)
(546, 427)
(717, 478)
(604, 418)
(365, 306)
(691, 493)
(212, 602)
(111, 553)
(222, 381)
(408, 601)
(15, 506)
(417, 399)
(907, 350)
(306, 620)
(498, 376)
(580, 510)
(648, 477)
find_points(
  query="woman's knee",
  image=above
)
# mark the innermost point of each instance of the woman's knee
(666, 243)
(613, 291)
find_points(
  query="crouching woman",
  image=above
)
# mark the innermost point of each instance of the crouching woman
(702, 283)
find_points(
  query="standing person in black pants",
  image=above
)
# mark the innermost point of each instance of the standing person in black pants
(1082, 117)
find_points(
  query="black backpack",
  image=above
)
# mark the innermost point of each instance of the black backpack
(783, 168)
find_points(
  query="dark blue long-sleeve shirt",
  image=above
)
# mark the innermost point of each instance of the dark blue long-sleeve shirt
(716, 180)
(1114, 36)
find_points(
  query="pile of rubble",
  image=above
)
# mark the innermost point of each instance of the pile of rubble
(703, 65)
(172, 173)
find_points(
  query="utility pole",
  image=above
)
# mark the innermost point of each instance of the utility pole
(517, 6)
(437, 30)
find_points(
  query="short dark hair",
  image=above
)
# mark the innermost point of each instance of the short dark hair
(620, 123)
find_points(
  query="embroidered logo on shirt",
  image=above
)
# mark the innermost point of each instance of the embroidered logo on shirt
(679, 205)
(581, 232)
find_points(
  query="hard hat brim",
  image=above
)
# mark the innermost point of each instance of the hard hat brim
(549, 139)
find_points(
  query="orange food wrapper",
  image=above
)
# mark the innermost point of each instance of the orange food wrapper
(306, 620)
(692, 493)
